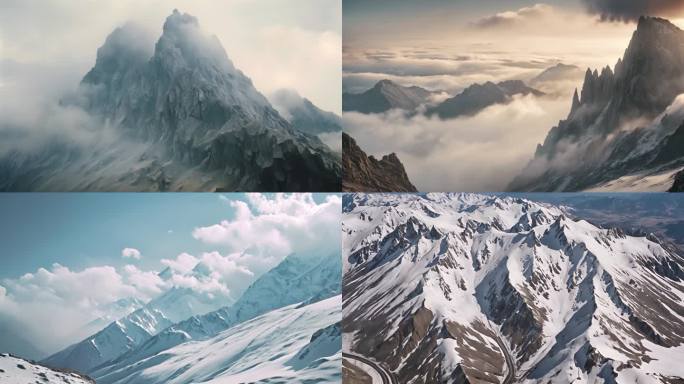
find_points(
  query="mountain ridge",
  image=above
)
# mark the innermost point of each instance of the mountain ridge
(477, 97)
(434, 282)
(621, 121)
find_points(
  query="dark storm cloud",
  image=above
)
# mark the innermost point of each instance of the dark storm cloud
(629, 10)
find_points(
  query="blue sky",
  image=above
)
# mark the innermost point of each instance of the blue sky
(80, 230)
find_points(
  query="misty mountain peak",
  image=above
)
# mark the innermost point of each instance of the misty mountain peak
(176, 20)
(384, 84)
(183, 44)
(128, 46)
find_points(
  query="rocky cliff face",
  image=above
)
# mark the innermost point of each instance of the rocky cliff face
(622, 121)
(187, 120)
(457, 288)
(367, 174)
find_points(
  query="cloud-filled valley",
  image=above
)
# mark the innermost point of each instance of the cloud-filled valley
(547, 46)
(477, 153)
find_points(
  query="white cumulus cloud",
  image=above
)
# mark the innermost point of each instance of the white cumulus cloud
(273, 227)
(130, 253)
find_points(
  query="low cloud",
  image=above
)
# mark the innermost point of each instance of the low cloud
(68, 298)
(130, 253)
(479, 153)
(509, 18)
(284, 100)
(333, 140)
(183, 263)
(631, 10)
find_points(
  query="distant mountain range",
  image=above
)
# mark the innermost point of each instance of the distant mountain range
(365, 173)
(387, 95)
(558, 72)
(181, 118)
(625, 130)
(132, 330)
(463, 288)
(477, 97)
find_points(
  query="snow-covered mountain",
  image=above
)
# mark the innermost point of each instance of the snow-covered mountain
(131, 331)
(477, 97)
(181, 117)
(457, 288)
(297, 279)
(110, 312)
(385, 95)
(292, 344)
(14, 370)
(625, 129)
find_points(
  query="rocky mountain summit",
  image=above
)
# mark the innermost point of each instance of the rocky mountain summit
(459, 288)
(182, 117)
(385, 95)
(626, 121)
(367, 174)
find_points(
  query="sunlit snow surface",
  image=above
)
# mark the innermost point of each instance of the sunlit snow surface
(276, 346)
(14, 370)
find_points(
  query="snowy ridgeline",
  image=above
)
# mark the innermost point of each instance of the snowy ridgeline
(291, 344)
(456, 287)
(14, 370)
(296, 303)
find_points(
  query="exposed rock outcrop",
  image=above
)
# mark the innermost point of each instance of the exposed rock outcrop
(367, 174)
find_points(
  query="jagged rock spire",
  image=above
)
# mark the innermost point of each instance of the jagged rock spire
(575, 102)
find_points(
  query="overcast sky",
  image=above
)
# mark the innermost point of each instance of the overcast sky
(449, 45)
(65, 255)
(277, 43)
